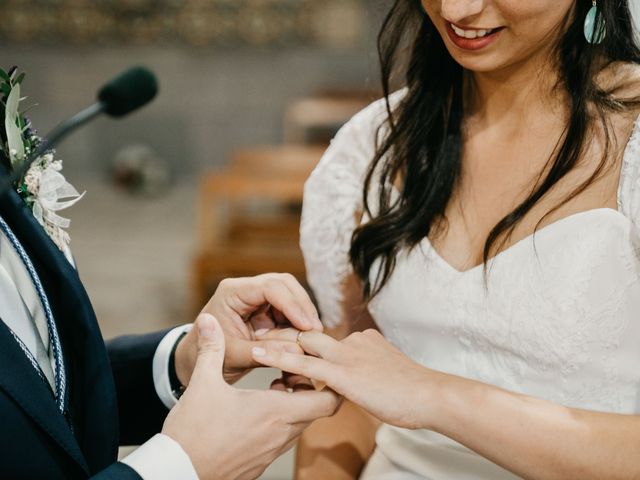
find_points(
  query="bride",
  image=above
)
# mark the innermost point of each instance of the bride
(486, 220)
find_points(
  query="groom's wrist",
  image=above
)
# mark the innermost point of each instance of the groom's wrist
(185, 358)
(161, 365)
(177, 387)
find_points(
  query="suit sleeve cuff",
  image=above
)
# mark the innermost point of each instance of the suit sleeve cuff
(161, 458)
(161, 366)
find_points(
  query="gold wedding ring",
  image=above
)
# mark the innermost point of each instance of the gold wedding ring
(299, 338)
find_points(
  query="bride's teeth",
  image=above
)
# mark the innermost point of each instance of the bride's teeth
(471, 34)
(458, 31)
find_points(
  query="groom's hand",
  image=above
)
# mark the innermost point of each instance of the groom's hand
(244, 307)
(230, 433)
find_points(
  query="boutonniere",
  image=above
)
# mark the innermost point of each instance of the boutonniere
(43, 188)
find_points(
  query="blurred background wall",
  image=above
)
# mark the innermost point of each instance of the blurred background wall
(218, 89)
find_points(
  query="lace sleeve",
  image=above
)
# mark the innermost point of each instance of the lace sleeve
(629, 189)
(331, 209)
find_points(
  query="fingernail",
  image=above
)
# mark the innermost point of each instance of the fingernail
(262, 331)
(258, 352)
(207, 331)
(206, 326)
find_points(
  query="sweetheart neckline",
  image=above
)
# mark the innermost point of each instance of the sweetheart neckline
(635, 132)
(544, 231)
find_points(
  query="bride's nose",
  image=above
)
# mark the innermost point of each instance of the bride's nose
(458, 10)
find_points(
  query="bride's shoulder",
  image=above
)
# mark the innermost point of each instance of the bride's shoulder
(366, 126)
(378, 110)
(621, 80)
(627, 87)
(333, 204)
(354, 146)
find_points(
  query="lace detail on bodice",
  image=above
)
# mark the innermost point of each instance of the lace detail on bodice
(549, 323)
(629, 190)
(332, 205)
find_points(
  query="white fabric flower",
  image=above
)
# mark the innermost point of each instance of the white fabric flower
(52, 193)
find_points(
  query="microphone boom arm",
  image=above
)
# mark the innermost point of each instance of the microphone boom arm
(56, 135)
(124, 94)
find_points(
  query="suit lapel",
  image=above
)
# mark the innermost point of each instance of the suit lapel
(20, 381)
(92, 397)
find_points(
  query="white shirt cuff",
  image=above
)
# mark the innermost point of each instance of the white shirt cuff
(161, 365)
(161, 458)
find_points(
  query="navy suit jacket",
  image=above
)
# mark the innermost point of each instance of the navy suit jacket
(112, 400)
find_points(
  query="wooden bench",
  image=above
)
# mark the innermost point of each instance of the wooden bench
(249, 215)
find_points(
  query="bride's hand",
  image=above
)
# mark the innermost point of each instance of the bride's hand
(366, 369)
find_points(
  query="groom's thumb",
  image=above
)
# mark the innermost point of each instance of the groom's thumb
(210, 358)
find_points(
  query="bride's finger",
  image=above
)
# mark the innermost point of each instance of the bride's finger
(240, 350)
(320, 345)
(310, 367)
(314, 343)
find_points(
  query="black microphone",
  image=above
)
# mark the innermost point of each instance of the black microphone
(128, 92)
(122, 95)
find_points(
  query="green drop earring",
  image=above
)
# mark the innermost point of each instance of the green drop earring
(594, 28)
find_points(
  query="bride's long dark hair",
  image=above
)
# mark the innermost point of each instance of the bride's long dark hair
(422, 143)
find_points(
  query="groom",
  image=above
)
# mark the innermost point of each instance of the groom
(67, 401)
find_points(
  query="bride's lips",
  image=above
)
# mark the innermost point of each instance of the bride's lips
(487, 37)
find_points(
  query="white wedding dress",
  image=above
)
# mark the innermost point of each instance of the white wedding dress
(560, 319)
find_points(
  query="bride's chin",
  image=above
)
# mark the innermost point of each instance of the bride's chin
(484, 63)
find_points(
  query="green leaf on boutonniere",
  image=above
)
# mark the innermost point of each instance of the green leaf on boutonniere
(12, 127)
(20, 78)
(4, 76)
(6, 89)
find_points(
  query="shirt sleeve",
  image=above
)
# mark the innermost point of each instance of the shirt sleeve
(161, 458)
(161, 365)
